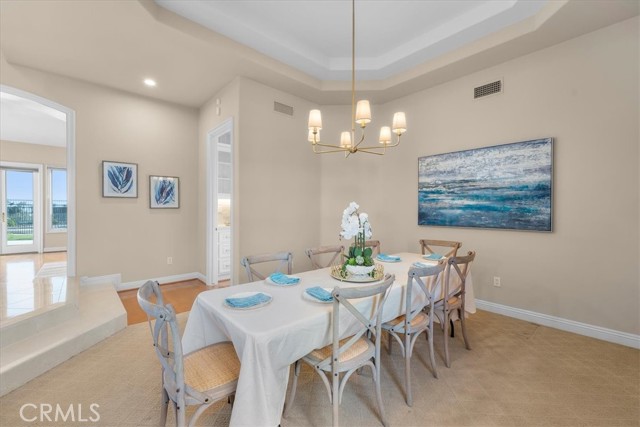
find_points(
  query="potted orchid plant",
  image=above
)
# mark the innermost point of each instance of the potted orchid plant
(355, 225)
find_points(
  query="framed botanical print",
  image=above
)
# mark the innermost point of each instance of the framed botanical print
(164, 192)
(119, 179)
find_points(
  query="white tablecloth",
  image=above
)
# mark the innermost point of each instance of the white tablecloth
(270, 338)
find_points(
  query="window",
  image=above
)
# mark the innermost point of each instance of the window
(57, 200)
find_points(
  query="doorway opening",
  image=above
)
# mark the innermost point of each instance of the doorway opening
(220, 203)
(38, 175)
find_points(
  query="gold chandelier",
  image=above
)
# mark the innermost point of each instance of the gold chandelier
(360, 115)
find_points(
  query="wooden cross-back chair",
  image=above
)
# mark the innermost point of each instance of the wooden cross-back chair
(285, 258)
(374, 245)
(316, 255)
(406, 328)
(346, 355)
(453, 298)
(202, 377)
(427, 246)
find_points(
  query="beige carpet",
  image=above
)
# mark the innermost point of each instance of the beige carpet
(518, 374)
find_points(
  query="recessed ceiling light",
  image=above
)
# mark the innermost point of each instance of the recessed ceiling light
(150, 82)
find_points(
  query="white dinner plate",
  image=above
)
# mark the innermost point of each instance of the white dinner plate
(244, 295)
(308, 297)
(271, 282)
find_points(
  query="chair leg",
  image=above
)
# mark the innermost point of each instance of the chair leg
(389, 341)
(432, 353)
(180, 415)
(447, 361)
(378, 379)
(294, 385)
(407, 368)
(464, 330)
(335, 397)
(164, 408)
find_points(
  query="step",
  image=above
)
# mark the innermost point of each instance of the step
(99, 314)
(49, 301)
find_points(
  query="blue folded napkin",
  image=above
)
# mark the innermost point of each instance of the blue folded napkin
(249, 301)
(283, 279)
(385, 257)
(421, 265)
(320, 294)
(434, 257)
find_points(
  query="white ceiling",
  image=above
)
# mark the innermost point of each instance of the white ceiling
(295, 46)
(23, 120)
(391, 36)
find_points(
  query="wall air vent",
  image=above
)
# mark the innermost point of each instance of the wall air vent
(487, 89)
(282, 108)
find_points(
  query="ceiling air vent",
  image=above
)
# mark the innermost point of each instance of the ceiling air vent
(282, 108)
(488, 89)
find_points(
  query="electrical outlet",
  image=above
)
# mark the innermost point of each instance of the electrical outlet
(169, 260)
(496, 281)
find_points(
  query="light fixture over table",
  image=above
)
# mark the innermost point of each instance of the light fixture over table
(360, 114)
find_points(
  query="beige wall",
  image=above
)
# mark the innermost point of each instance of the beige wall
(277, 185)
(279, 182)
(229, 98)
(583, 93)
(124, 235)
(47, 156)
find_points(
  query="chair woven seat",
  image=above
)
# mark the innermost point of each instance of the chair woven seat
(355, 350)
(420, 318)
(211, 367)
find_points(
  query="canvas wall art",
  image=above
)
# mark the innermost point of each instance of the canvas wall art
(164, 192)
(119, 179)
(504, 186)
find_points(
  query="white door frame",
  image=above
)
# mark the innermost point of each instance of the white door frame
(38, 224)
(212, 201)
(71, 169)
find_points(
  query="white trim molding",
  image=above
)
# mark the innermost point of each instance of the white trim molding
(162, 280)
(55, 249)
(598, 332)
(114, 279)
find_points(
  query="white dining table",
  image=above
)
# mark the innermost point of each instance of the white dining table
(268, 339)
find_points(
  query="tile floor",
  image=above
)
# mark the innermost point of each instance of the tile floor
(23, 290)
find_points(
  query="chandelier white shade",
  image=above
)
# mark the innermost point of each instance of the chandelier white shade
(360, 115)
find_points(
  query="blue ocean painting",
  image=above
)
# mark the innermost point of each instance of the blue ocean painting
(504, 186)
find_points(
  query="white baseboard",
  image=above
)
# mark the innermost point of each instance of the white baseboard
(598, 332)
(201, 277)
(162, 280)
(55, 249)
(114, 279)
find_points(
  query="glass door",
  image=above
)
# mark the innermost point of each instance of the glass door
(20, 210)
